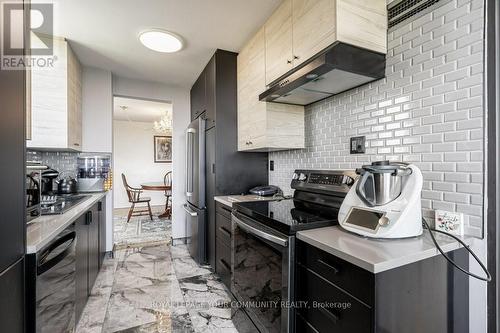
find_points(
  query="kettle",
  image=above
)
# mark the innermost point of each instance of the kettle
(47, 177)
(66, 185)
(381, 182)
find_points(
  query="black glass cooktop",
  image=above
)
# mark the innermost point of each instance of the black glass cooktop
(289, 215)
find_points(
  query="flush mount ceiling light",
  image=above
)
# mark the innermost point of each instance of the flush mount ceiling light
(161, 41)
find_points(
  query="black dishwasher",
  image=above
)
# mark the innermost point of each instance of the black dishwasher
(50, 289)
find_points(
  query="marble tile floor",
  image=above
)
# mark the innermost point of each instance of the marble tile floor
(156, 289)
(140, 230)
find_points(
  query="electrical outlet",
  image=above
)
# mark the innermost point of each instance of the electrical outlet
(271, 165)
(449, 222)
(358, 145)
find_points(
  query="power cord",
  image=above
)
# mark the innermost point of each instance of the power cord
(431, 230)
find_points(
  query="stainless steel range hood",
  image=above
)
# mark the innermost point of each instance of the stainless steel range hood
(338, 68)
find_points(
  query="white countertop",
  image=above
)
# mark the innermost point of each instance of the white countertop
(377, 255)
(43, 229)
(228, 200)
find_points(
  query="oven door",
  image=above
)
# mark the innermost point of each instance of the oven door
(262, 277)
(55, 285)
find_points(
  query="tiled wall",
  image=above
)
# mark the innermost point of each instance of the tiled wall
(61, 161)
(428, 110)
(64, 162)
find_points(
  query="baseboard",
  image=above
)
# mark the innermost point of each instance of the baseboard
(179, 241)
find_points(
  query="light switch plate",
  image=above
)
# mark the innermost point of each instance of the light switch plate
(449, 222)
(358, 145)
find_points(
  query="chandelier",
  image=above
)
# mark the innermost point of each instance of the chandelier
(165, 123)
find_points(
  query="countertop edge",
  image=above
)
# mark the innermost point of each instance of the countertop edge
(83, 206)
(222, 201)
(379, 267)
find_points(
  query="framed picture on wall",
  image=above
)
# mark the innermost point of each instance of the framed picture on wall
(163, 149)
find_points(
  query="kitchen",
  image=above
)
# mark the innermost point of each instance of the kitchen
(297, 107)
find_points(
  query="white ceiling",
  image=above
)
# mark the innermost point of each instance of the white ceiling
(139, 110)
(104, 33)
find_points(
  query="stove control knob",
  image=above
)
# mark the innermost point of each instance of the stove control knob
(383, 221)
(302, 177)
(348, 180)
(295, 176)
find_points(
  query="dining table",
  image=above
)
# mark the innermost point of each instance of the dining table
(159, 186)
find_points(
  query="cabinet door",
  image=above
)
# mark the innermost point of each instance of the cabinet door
(198, 97)
(278, 31)
(210, 91)
(12, 206)
(93, 224)
(223, 263)
(82, 264)
(251, 82)
(313, 27)
(12, 299)
(74, 101)
(211, 192)
(102, 230)
(363, 23)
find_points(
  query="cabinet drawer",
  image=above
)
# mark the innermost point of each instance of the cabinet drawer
(223, 262)
(351, 278)
(329, 308)
(223, 228)
(223, 210)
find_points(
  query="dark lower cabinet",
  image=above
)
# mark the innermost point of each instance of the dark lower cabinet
(88, 246)
(82, 264)
(425, 296)
(223, 243)
(93, 229)
(101, 207)
(12, 299)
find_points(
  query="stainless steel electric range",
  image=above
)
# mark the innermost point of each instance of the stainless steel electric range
(263, 244)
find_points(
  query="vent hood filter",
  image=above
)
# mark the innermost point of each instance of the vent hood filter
(339, 68)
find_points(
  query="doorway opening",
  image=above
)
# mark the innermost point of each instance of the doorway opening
(142, 169)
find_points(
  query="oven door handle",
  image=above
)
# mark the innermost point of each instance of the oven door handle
(260, 233)
(44, 265)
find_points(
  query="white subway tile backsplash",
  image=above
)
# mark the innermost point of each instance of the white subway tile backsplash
(456, 197)
(456, 136)
(428, 111)
(470, 188)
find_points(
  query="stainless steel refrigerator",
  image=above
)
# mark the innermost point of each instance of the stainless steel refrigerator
(195, 205)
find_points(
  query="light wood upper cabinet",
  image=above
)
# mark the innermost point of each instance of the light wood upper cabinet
(56, 102)
(313, 27)
(263, 126)
(295, 32)
(300, 29)
(278, 39)
(363, 23)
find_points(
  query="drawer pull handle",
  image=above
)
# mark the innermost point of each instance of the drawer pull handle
(225, 231)
(335, 270)
(223, 263)
(333, 317)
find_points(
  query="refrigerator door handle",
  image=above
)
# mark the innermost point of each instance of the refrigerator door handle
(189, 211)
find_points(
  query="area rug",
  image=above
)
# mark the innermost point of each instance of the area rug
(140, 231)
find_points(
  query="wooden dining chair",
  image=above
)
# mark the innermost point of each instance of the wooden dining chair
(167, 180)
(134, 197)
